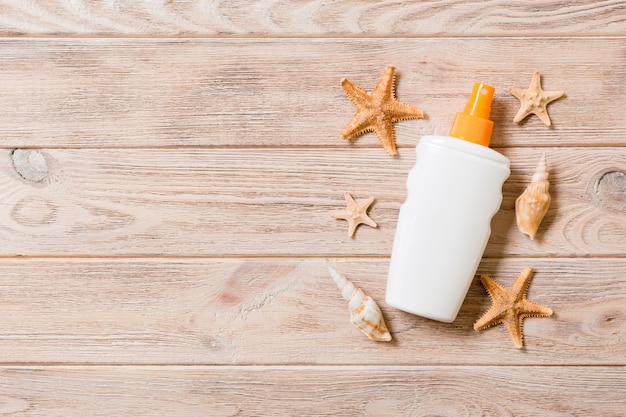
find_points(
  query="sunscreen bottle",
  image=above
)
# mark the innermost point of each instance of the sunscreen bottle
(453, 191)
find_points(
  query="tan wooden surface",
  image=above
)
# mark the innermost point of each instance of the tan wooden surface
(296, 390)
(279, 202)
(286, 92)
(312, 18)
(168, 174)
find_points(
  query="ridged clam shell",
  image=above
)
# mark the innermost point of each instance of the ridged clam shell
(533, 204)
(364, 312)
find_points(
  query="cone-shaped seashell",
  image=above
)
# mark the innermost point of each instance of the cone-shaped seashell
(364, 311)
(532, 205)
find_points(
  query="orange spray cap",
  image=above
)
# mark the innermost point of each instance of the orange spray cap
(473, 123)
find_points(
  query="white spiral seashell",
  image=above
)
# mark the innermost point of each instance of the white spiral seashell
(533, 204)
(364, 312)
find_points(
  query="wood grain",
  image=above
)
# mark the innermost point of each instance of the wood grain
(288, 311)
(353, 391)
(311, 18)
(278, 202)
(286, 92)
(168, 171)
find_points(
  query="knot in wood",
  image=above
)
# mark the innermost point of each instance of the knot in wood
(609, 191)
(30, 164)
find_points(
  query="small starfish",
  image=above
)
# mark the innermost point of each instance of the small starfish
(378, 111)
(355, 213)
(534, 100)
(510, 306)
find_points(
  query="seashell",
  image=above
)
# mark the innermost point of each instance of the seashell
(364, 311)
(532, 205)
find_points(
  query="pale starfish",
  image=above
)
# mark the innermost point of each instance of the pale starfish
(510, 306)
(355, 213)
(378, 111)
(534, 100)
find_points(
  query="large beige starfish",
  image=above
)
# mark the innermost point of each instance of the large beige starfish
(378, 111)
(510, 306)
(534, 100)
(355, 213)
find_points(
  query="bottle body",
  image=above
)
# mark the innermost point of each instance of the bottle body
(453, 191)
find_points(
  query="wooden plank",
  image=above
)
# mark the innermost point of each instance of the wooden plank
(286, 92)
(288, 311)
(312, 18)
(278, 202)
(352, 391)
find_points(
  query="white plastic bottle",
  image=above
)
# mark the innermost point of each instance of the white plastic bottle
(453, 191)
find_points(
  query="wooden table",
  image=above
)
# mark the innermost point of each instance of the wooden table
(169, 172)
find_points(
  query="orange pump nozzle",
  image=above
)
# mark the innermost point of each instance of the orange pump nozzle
(473, 123)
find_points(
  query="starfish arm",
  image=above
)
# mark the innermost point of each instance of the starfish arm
(365, 204)
(356, 94)
(362, 219)
(402, 111)
(546, 98)
(522, 113)
(521, 283)
(347, 215)
(514, 323)
(343, 215)
(550, 96)
(493, 316)
(365, 219)
(497, 311)
(543, 115)
(535, 83)
(386, 137)
(516, 92)
(524, 110)
(384, 90)
(532, 309)
(360, 123)
(514, 327)
(352, 225)
(492, 286)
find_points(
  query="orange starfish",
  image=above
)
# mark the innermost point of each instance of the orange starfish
(534, 100)
(355, 213)
(510, 306)
(378, 111)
